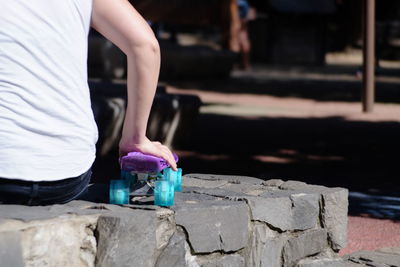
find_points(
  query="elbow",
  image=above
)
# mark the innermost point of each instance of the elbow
(154, 46)
(146, 46)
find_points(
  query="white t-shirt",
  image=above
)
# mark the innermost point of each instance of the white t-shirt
(47, 129)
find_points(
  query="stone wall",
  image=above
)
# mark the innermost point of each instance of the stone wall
(216, 221)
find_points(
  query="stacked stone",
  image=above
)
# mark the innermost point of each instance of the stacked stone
(216, 221)
(284, 223)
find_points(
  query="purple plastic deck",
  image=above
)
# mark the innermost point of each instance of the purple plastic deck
(139, 162)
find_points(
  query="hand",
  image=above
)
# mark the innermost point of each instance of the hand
(148, 147)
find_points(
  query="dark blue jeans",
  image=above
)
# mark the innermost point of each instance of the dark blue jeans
(43, 193)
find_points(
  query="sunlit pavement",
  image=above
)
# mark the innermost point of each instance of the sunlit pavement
(370, 234)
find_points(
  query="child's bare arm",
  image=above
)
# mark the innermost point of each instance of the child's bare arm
(119, 22)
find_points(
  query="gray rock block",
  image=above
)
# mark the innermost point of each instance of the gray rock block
(214, 225)
(266, 247)
(233, 260)
(10, 249)
(334, 216)
(174, 253)
(293, 185)
(274, 211)
(334, 210)
(283, 210)
(305, 210)
(66, 240)
(248, 189)
(80, 205)
(273, 182)
(215, 193)
(188, 181)
(166, 227)
(374, 258)
(193, 196)
(286, 210)
(305, 244)
(394, 250)
(127, 238)
(229, 178)
(26, 213)
(324, 262)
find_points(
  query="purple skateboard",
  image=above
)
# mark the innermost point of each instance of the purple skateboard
(139, 162)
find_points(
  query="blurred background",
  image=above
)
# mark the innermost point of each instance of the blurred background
(265, 88)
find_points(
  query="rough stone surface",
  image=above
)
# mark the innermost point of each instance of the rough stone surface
(233, 260)
(293, 185)
(395, 251)
(247, 189)
(217, 221)
(334, 216)
(10, 249)
(174, 252)
(215, 193)
(288, 210)
(127, 237)
(210, 225)
(204, 183)
(324, 262)
(166, 227)
(59, 241)
(266, 247)
(25, 213)
(374, 258)
(334, 213)
(229, 178)
(305, 244)
(282, 209)
(275, 211)
(273, 182)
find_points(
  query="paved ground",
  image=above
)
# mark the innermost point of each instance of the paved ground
(370, 234)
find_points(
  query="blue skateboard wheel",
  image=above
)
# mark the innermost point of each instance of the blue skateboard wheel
(164, 193)
(119, 192)
(175, 177)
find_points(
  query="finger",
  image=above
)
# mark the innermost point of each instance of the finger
(171, 159)
(167, 155)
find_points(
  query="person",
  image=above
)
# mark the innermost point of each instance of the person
(47, 129)
(243, 34)
(236, 38)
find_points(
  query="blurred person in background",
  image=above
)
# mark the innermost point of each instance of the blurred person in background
(47, 129)
(240, 41)
(244, 46)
